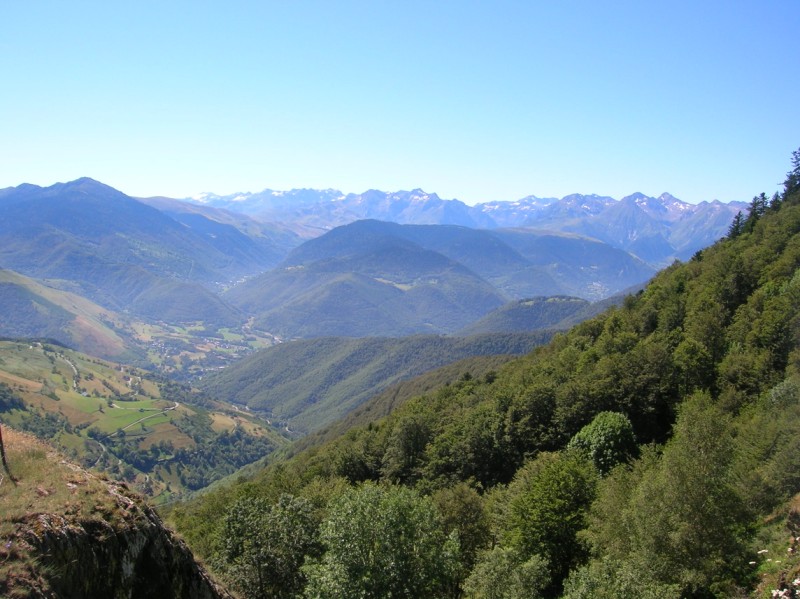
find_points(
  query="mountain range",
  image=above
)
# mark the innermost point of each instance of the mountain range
(91, 239)
(308, 263)
(655, 229)
(377, 278)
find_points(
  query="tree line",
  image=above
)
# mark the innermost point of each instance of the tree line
(651, 451)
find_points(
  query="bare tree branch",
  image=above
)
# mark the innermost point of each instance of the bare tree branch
(3, 456)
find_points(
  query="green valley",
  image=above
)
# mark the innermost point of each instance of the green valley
(307, 384)
(650, 451)
(163, 437)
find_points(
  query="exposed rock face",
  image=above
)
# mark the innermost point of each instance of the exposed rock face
(137, 557)
(68, 533)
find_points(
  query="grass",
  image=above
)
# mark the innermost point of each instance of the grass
(95, 399)
(777, 557)
(116, 419)
(45, 484)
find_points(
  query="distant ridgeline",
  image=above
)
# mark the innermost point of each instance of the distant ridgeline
(650, 451)
(82, 259)
(656, 229)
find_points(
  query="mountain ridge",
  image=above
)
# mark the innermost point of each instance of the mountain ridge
(381, 278)
(587, 214)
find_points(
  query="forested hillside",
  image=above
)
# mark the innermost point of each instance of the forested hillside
(652, 451)
(310, 383)
(529, 315)
(373, 278)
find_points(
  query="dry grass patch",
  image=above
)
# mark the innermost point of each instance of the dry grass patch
(222, 422)
(45, 483)
(48, 493)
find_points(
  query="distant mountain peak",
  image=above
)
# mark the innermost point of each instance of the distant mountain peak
(85, 185)
(636, 196)
(656, 229)
(85, 180)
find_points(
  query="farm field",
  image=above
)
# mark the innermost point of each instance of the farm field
(156, 434)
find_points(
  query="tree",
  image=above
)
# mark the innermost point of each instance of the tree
(549, 500)
(757, 208)
(405, 450)
(463, 513)
(607, 440)
(792, 183)
(605, 579)
(382, 541)
(677, 519)
(737, 225)
(264, 546)
(502, 574)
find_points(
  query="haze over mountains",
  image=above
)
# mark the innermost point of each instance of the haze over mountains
(321, 263)
(114, 275)
(656, 229)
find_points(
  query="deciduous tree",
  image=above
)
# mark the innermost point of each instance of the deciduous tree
(382, 541)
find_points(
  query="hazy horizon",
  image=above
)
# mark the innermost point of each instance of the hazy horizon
(472, 101)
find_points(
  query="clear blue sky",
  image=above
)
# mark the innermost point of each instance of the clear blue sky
(478, 101)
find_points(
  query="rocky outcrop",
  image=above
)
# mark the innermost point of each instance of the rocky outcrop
(104, 541)
(137, 557)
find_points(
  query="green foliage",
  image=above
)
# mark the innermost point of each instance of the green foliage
(464, 514)
(405, 450)
(678, 518)
(382, 542)
(767, 448)
(8, 400)
(608, 440)
(737, 225)
(381, 405)
(217, 455)
(549, 500)
(44, 425)
(312, 382)
(264, 546)
(605, 579)
(474, 449)
(502, 574)
(702, 367)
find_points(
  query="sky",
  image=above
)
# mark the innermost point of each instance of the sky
(476, 101)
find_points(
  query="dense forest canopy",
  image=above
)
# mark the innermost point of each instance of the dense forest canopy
(652, 451)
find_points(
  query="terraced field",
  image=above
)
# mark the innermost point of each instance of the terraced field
(126, 420)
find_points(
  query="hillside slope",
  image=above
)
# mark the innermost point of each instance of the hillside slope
(120, 252)
(163, 438)
(36, 311)
(528, 315)
(650, 451)
(65, 532)
(381, 278)
(310, 383)
(358, 283)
